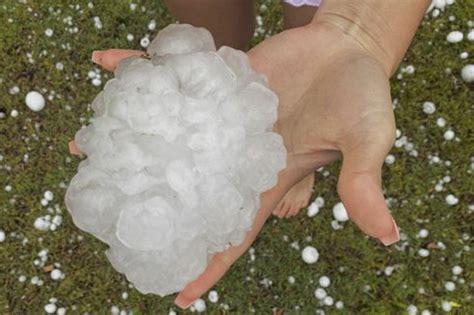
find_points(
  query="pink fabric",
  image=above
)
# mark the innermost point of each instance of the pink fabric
(299, 3)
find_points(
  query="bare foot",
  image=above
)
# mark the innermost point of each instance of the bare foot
(296, 198)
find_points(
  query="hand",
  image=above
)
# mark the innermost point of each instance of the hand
(334, 100)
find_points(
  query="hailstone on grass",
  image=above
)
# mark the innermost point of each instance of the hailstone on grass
(179, 149)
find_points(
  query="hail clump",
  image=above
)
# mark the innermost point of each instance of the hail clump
(178, 151)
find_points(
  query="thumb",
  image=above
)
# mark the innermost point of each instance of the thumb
(359, 187)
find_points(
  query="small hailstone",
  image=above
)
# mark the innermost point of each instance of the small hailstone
(56, 274)
(144, 42)
(429, 108)
(455, 37)
(324, 281)
(313, 209)
(449, 286)
(152, 25)
(199, 305)
(91, 74)
(449, 135)
(35, 101)
(425, 312)
(423, 233)
(339, 305)
(446, 306)
(291, 279)
(44, 202)
(320, 293)
(389, 270)
(130, 37)
(339, 212)
(2, 236)
(50, 308)
(310, 255)
(328, 300)
(172, 312)
(22, 278)
(124, 295)
(412, 309)
(319, 201)
(390, 159)
(49, 32)
(61, 311)
(463, 55)
(14, 113)
(48, 195)
(213, 296)
(423, 252)
(441, 122)
(470, 35)
(34, 280)
(467, 73)
(451, 200)
(457, 270)
(41, 224)
(59, 66)
(96, 82)
(57, 220)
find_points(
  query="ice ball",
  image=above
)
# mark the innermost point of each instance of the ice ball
(178, 152)
(35, 101)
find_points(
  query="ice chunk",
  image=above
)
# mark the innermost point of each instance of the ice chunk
(178, 152)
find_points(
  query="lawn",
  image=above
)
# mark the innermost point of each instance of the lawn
(46, 46)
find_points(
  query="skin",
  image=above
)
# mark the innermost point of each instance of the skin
(339, 106)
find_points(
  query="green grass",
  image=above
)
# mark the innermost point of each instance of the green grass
(351, 260)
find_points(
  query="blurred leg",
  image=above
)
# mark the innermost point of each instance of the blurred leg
(297, 16)
(231, 22)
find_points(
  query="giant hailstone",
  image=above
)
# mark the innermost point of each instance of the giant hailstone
(178, 151)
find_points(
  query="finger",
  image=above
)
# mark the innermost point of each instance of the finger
(73, 149)
(109, 59)
(359, 187)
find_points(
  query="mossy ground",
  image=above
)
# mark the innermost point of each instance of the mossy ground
(354, 263)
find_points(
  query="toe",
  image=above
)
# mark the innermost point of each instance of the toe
(286, 209)
(277, 209)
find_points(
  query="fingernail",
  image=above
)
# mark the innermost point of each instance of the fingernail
(97, 56)
(393, 237)
(182, 302)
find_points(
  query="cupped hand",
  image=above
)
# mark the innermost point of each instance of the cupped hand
(334, 101)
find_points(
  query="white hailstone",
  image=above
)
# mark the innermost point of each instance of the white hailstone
(34, 280)
(390, 159)
(412, 309)
(449, 286)
(389, 270)
(313, 209)
(2, 236)
(35, 101)
(152, 25)
(91, 74)
(451, 200)
(324, 281)
(423, 252)
(49, 32)
(22, 278)
(50, 308)
(328, 300)
(144, 42)
(339, 212)
(339, 305)
(446, 306)
(291, 279)
(8, 188)
(425, 312)
(61, 311)
(14, 90)
(178, 152)
(467, 73)
(441, 122)
(130, 37)
(59, 66)
(172, 312)
(114, 310)
(44, 202)
(319, 201)
(449, 135)
(320, 293)
(464, 55)
(423, 233)
(96, 82)
(14, 113)
(310, 255)
(199, 305)
(429, 108)
(57, 220)
(457, 270)
(439, 4)
(470, 35)
(48, 195)
(124, 295)
(56, 274)
(41, 224)
(455, 37)
(213, 296)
